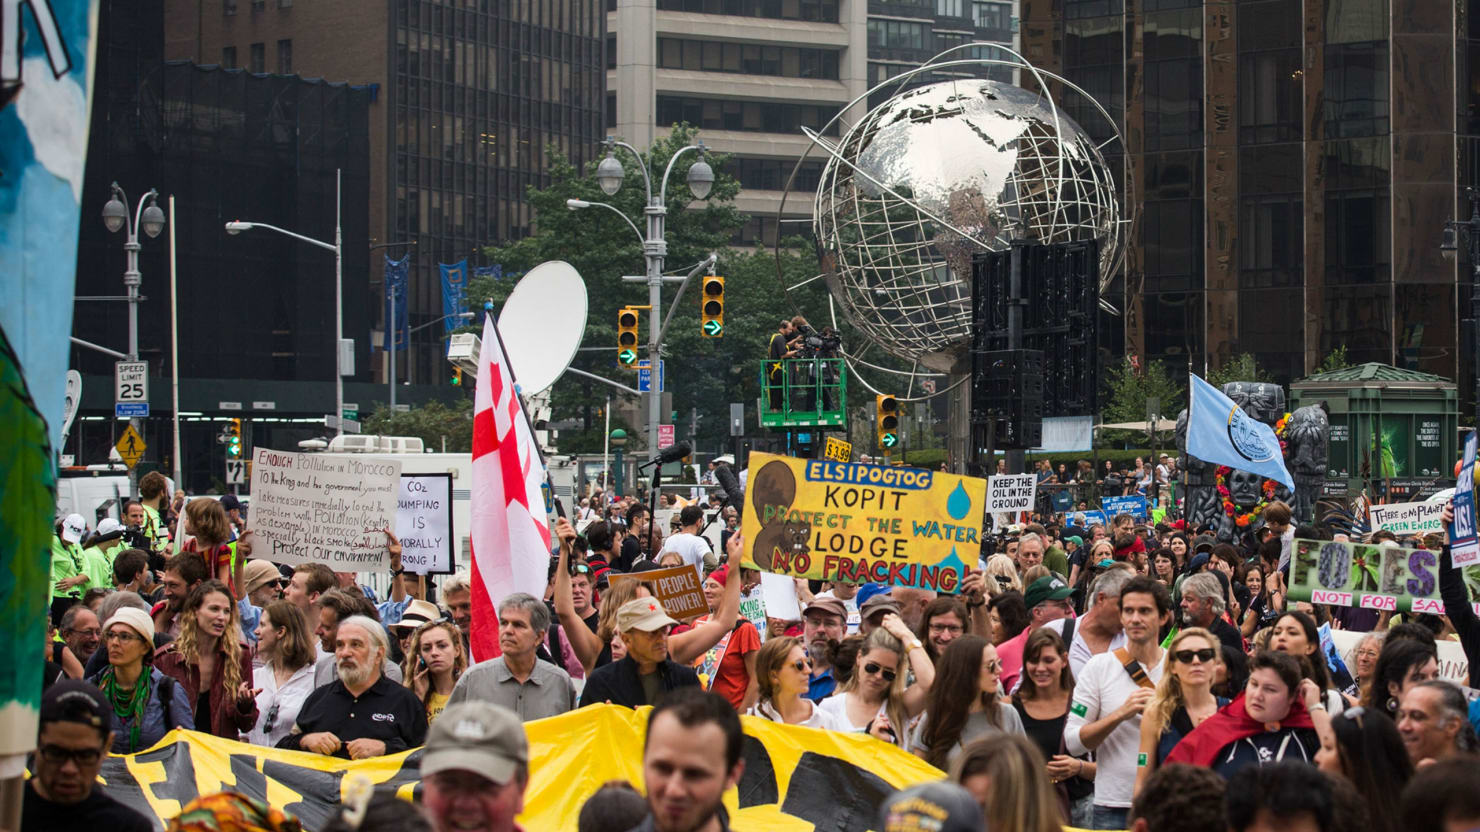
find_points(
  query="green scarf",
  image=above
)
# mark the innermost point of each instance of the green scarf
(128, 704)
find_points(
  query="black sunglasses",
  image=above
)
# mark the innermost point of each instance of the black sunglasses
(1204, 655)
(272, 715)
(872, 668)
(801, 666)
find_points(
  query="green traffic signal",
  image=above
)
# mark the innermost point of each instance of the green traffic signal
(627, 356)
(889, 440)
(713, 328)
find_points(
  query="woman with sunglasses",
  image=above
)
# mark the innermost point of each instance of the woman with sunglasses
(965, 702)
(783, 672)
(146, 703)
(285, 678)
(210, 661)
(872, 700)
(1183, 699)
(1364, 746)
(433, 664)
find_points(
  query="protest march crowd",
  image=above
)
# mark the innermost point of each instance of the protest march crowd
(1118, 675)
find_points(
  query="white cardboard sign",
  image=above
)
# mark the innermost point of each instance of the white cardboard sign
(1011, 492)
(1408, 518)
(424, 523)
(324, 508)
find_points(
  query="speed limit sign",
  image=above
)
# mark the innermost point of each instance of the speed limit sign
(131, 390)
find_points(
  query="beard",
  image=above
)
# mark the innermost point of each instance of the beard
(692, 822)
(353, 675)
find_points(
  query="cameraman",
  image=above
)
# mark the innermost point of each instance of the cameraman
(777, 352)
(803, 375)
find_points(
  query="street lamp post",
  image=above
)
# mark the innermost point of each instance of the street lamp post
(389, 340)
(151, 221)
(610, 175)
(237, 227)
(619, 441)
(1449, 246)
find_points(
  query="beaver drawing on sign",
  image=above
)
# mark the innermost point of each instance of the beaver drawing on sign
(771, 493)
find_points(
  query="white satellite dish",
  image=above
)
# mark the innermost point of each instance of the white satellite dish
(542, 324)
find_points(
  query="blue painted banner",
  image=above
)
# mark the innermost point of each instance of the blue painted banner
(454, 292)
(1134, 505)
(1464, 544)
(397, 274)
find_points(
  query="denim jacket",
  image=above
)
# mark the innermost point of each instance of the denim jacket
(154, 726)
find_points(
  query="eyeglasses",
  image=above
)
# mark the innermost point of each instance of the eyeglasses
(579, 569)
(95, 632)
(1205, 655)
(945, 628)
(119, 635)
(993, 666)
(81, 756)
(878, 669)
(802, 666)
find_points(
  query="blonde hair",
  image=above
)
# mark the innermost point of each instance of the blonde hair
(1001, 566)
(1021, 797)
(1168, 696)
(188, 642)
(459, 662)
(880, 639)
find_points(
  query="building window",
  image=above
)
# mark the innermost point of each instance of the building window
(257, 58)
(825, 11)
(285, 57)
(285, 4)
(746, 116)
(259, 5)
(898, 34)
(950, 8)
(748, 59)
(228, 57)
(771, 174)
(228, 7)
(992, 16)
(1356, 89)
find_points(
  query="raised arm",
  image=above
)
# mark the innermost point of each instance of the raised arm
(584, 642)
(688, 646)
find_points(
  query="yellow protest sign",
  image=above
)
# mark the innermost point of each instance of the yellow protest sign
(796, 779)
(825, 520)
(837, 450)
(131, 446)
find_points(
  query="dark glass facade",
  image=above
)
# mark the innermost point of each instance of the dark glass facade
(481, 94)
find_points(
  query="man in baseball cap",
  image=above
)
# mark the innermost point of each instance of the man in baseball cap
(941, 806)
(824, 621)
(646, 672)
(68, 566)
(74, 739)
(475, 768)
(1048, 600)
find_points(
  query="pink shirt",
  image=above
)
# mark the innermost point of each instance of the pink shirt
(1010, 653)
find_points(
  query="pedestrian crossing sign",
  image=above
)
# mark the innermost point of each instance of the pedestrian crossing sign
(131, 446)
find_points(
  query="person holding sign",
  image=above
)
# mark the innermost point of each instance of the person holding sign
(1457, 601)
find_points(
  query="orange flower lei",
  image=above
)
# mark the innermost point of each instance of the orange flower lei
(1242, 520)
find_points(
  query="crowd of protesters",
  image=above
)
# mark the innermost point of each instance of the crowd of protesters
(1117, 676)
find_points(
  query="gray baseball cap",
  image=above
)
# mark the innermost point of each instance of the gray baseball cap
(480, 737)
(941, 806)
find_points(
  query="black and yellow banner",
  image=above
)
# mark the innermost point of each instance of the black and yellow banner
(795, 778)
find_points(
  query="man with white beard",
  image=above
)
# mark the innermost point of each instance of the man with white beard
(362, 713)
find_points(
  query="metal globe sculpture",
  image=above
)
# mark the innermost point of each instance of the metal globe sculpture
(937, 174)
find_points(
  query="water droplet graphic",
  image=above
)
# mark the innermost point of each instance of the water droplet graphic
(959, 503)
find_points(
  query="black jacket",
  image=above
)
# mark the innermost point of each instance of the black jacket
(648, 824)
(1457, 606)
(619, 683)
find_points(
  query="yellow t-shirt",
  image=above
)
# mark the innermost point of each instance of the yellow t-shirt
(435, 707)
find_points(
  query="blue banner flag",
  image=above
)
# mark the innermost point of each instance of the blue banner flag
(1219, 431)
(496, 271)
(396, 316)
(454, 292)
(1136, 506)
(1464, 542)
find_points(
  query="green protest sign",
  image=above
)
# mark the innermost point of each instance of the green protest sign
(1363, 575)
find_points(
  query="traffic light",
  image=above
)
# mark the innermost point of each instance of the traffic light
(712, 307)
(234, 440)
(886, 421)
(627, 321)
(456, 376)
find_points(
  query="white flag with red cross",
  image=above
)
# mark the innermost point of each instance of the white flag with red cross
(510, 529)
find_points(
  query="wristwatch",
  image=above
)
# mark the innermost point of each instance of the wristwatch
(916, 644)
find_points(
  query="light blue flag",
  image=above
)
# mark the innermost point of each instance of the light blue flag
(1220, 431)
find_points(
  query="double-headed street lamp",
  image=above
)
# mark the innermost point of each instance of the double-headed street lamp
(609, 176)
(151, 221)
(237, 227)
(1449, 246)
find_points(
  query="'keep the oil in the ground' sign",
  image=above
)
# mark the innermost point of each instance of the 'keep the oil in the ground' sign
(1011, 492)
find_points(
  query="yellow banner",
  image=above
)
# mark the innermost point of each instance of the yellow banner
(827, 520)
(796, 779)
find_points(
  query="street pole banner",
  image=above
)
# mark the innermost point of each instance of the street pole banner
(1347, 574)
(836, 521)
(1011, 493)
(1135, 505)
(424, 523)
(397, 315)
(1408, 518)
(1464, 545)
(680, 589)
(454, 292)
(324, 508)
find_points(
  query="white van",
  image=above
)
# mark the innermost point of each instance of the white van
(86, 489)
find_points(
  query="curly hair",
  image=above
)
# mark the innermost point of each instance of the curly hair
(413, 655)
(229, 645)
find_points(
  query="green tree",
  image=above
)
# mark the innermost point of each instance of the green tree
(1126, 395)
(1335, 360)
(435, 422)
(1241, 367)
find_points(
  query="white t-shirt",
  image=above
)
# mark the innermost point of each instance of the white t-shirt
(694, 549)
(1099, 690)
(1079, 652)
(818, 719)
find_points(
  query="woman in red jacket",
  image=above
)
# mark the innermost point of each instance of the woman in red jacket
(211, 663)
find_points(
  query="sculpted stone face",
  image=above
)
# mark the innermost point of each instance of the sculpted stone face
(1243, 488)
